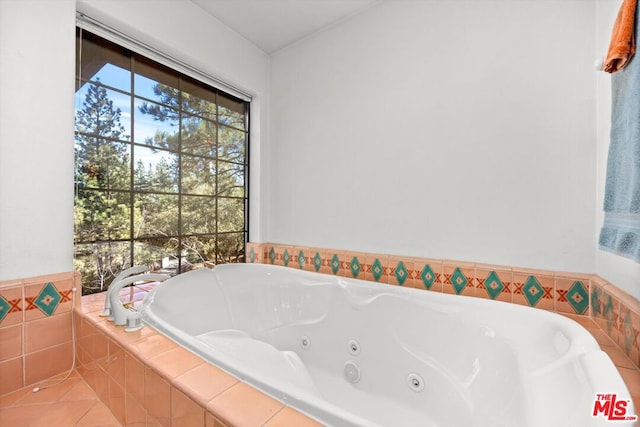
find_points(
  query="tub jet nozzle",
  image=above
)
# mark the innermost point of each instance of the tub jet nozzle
(352, 372)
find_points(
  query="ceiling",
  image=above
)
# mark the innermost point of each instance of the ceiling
(274, 24)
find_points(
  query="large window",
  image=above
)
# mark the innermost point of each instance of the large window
(161, 167)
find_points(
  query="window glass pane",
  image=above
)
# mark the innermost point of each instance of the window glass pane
(160, 167)
(199, 175)
(230, 248)
(156, 170)
(114, 76)
(156, 125)
(100, 263)
(156, 82)
(230, 179)
(101, 163)
(198, 100)
(198, 215)
(198, 136)
(103, 61)
(101, 215)
(230, 214)
(231, 112)
(158, 253)
(231, 145)
(103, 112)
(155, 215)
(198, 252)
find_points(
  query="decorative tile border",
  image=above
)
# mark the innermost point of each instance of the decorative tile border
(617, 313)
(36, 329)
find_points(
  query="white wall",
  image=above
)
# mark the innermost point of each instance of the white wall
(37, 39)
(623, 272)
(458, 129)
(36, 137)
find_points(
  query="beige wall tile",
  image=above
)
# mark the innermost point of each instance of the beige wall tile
(184, 411)
(134, 377)
(533, 288)
(334, 262)
(204, 382)
(10, 342)
(459, 278)
(135, 414)
(174, 362)
(211, 421)
(48, 362)
(401, 271)
(290, 417)
(430, 274)
(115, 363)
(157, 397)
(243, 405)
(572, 295)
(376, 268)
(352, 265)
(116, 401)
(11, 374)
(151, 346)
(628, 337)
(47, 332)
(494, 282)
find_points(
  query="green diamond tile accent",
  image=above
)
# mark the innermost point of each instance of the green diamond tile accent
(252, 255)
(355, 266)
(377, 269)
(401, 273)
(627, 328)
(48, 299)
(301, 259)
(272, 255)
(493, 285)
(335, 264)
(596, 303)
(428, 276)
(458, 280)
(286, 258)
(578, 297)
(4, 308)
(532, 291)
(608, 313)
(317, 261)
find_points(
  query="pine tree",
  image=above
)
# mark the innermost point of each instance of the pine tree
(102, 165)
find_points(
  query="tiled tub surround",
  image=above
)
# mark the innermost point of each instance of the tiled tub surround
(35, 329)
(174, 376)
(615, 312)
(147, 379)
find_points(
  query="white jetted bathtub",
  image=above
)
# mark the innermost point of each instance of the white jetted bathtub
(356, 353)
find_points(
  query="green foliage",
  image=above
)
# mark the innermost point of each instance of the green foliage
(153, 222)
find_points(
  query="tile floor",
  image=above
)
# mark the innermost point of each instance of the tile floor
(70, 403)
(73, 403)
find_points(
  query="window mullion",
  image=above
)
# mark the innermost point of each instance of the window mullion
(180, 229)
(132, 197)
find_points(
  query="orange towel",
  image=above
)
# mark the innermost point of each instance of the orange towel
(623, 41)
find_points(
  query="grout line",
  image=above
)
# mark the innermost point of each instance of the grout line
(24, 340)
